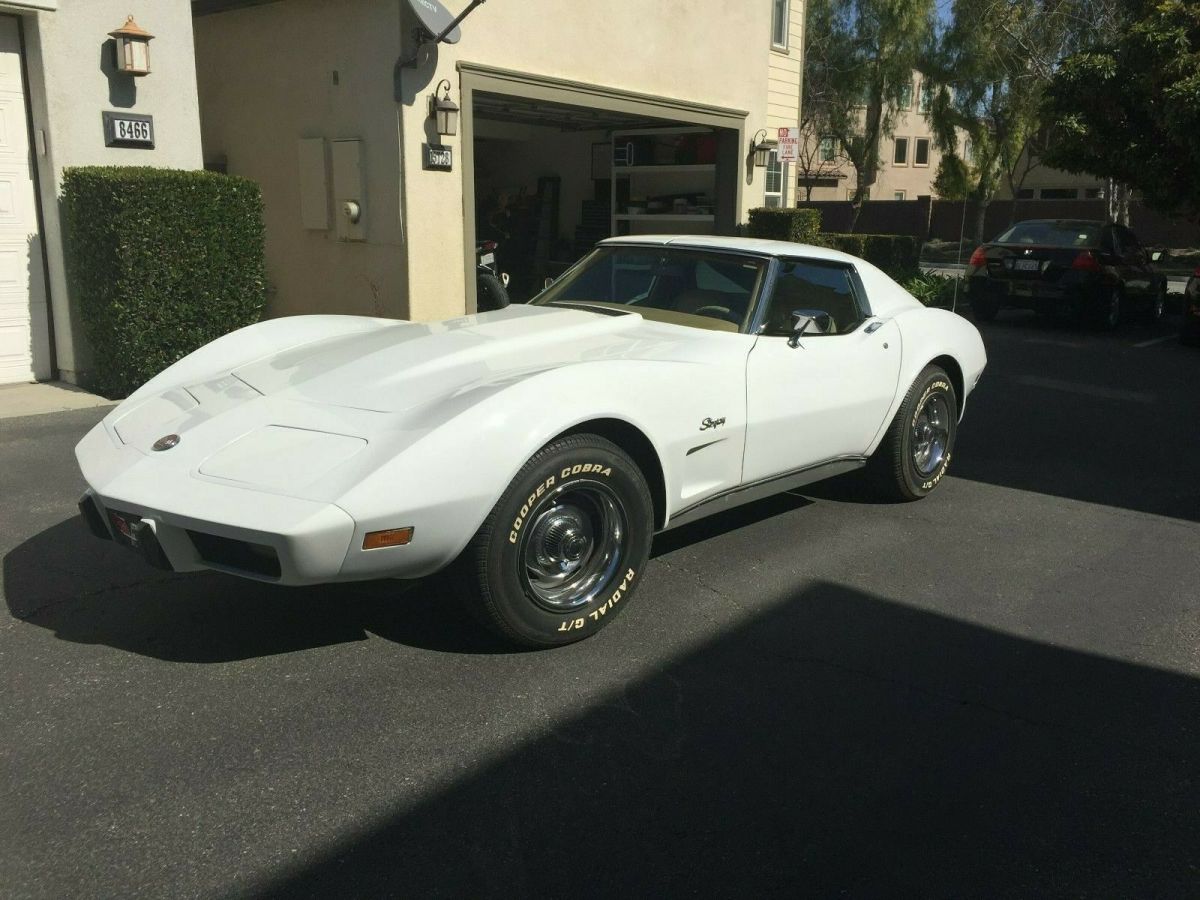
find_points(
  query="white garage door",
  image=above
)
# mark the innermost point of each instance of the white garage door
(24, 340)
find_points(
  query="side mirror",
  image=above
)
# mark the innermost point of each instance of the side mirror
(809, 321)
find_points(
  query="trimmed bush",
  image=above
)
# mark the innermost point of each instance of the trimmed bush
(160, 262)
(897, 254)
(800, 226)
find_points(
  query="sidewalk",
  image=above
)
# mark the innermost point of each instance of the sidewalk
(46, 397)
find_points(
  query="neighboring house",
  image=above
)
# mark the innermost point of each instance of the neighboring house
(57, 77)
(908, 158)
(1038, 181)
(576, 121)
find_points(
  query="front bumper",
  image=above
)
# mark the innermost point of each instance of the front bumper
(156, 507)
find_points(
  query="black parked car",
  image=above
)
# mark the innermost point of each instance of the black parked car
(1095, 271)
(1189, 332)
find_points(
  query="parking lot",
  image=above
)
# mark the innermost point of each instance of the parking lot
(995, 691)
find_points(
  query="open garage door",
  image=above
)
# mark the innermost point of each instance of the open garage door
(553, 167)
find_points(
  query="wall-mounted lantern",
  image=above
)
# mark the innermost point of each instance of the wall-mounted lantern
(133, 48)
(761, 149)
(444, 110)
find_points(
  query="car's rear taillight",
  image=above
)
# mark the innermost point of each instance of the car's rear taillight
(487, 246)
(1197, 272)
(978, 259)
(1085, 261)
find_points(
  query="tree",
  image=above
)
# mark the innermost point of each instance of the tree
(953, 179)
(816, 159)
(859, 59)
(1146, 132)
(990, 68)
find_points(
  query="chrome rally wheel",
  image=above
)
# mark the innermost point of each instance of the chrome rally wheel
(563, 549)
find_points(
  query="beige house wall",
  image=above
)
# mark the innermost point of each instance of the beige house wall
(913, 180)
(71, 82)
(257, 101)
(270, 75)
(785, 70)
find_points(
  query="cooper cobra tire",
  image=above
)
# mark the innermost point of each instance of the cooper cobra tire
(915, 453)
(563, 550)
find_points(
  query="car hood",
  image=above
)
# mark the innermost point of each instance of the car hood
(404, 365)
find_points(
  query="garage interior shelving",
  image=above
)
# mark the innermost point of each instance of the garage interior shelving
(637, 185)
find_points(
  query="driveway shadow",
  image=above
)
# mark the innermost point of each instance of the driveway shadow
(838, 744)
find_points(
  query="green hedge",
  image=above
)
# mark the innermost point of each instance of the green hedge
(801, 226)
(160, 262)
(897, 254)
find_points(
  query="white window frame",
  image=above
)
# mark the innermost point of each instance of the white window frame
(830, 143)
(928, 152)
(895, 146)
(909, 104)
(899, 195)
(780, 25)
(773, 163)
(924, 98)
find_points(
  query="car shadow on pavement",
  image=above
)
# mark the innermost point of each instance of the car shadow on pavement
(94, 592)
(838, 744)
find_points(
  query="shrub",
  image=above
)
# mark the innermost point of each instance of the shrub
(933, 289)
(897, 254)
(800, 226)
(160, 262)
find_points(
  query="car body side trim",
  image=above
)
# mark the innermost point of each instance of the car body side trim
(766, 487)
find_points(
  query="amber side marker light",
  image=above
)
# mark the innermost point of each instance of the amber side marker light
(393, 537)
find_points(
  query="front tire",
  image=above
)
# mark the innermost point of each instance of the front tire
(564, 548)
(915, 452)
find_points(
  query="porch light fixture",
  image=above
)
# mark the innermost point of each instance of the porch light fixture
(133, 48)
(444, 110)
(760, 149)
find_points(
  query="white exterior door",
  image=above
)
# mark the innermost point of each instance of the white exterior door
(24, 331)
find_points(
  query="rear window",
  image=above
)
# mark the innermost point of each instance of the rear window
(1052, 234)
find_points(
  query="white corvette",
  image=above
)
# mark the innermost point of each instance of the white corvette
(538, 447)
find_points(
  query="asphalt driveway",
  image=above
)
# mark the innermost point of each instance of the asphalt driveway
(993, 692)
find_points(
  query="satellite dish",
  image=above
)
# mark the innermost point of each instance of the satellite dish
(434, 19)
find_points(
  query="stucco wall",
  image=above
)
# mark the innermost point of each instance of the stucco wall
(71, 81)
(267, 78)
(256, 101)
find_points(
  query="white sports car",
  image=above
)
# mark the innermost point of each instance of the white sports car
(537, 447)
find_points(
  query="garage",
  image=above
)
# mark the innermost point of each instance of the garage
(550, 168)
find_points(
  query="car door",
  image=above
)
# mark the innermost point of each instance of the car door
(827, 397)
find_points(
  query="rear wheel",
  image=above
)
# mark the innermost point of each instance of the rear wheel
(1111, 310)
(915, 452)
(563, 549)
(984, 309)
(490, 292)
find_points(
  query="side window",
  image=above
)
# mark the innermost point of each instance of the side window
(812, 285)
(1108, 243)
(1129, 243)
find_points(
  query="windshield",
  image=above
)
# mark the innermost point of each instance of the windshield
(1052, 234)
(676, 285)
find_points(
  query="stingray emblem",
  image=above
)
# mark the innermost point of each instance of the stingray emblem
(712, 423)
(166, 442)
